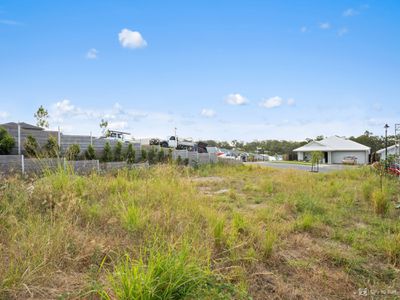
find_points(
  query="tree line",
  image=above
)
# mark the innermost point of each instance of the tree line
(273, 147)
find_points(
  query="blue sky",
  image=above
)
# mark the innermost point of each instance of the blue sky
(214, 69)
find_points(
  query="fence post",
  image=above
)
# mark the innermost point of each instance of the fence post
(19, 138)
(65, 164)
(22, 164)
(98, 166)
(59, 139)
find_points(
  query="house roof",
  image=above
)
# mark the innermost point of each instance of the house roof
(23, 125)
(333, 143)
(390, 148)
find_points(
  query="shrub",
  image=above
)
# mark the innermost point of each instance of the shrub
(73, 152)
(179, 160)
(130, 154)
(118, 152)
(90, 154)
(52, 149)
(151, 154)
(380, 202)
(31, 146)
(144, 155)
(161, 156)
(169, 155)
(7, 142)
(107, 154)
(186, 161)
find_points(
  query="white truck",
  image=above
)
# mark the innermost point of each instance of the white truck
(174, 142)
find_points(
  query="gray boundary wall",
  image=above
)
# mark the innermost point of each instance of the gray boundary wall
(64, 140)
(10, 164)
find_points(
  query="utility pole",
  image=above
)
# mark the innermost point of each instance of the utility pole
(386, 146)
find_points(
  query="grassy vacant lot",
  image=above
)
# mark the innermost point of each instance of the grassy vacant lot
(218, 232)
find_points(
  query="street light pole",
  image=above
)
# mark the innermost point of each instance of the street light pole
(386, 154)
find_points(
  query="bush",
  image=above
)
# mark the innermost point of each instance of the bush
(130, 154)
(144, 155)
(151, 155)
(107, 154)
(31, 146)
(380, 202)
(161, 156)
(73, 152)
(7, 142)
(118, 152)
(51, 148)
(90, 154)
(169, 155)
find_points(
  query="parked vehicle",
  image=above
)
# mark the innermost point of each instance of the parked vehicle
(349, 160)
(214, 150)
(394, 169)
(174, 142)
(228, 155)
(154, 142)
(117, 135)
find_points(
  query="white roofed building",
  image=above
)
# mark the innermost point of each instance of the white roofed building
(335, 149)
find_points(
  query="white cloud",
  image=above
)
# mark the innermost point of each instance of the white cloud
(291, 102)
(272, 102)
(92, 54)
(131, 39)
(209, 113)
(236, 99)
(64, 106)
(303, 29)
(343, 31)
(118, 125)
(3, 114)
(325, 25)
(350, 12)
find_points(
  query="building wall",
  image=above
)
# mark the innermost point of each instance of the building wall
(391, 151)
(300, 156)
(338, 156)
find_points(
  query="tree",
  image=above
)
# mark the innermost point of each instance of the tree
(151, 154)
(130, 154)
(316, 157)
(7, 142)
(31, 146)
(144, 155)
(73, 152)
(118, 152)
(51, 148)
(103, 125)
(161, 156)
(90, 154)
(41, 117)
(107, 154)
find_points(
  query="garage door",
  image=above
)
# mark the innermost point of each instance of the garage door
(338, 156)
